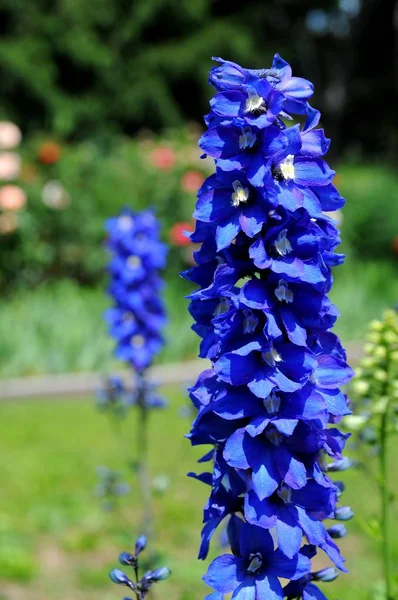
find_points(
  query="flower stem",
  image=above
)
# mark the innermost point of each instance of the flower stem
(385, 505)
(142, 467)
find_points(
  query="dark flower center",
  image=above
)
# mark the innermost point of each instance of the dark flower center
(255, 564)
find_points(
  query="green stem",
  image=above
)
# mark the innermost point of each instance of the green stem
(385, 505)
(142, 467)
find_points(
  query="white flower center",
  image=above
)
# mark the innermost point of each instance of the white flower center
(134, 262)
(274, 437)
(247, 139)
(125, 222)
(271, 357)
(283, 293)
(226, 483)
(272, 403)
(250, 322)
(282, 244)
(286, 167)
(138, 341)
(285, 494)
(240, 194)
(254, 102)
(128, 317)
(222, 306)
(256, 562)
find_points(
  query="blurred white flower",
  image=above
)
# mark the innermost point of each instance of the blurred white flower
(54, 195)
(10, 165)
(10, 135)
(12, 198)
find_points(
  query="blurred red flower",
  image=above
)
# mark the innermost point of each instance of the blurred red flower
(191, 181)
(176, 233)
(49, 153)
(395, 245)
(163, 158)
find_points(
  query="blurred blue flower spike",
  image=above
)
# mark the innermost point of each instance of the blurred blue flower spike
(110, 487)
(135, 321)
(138, 317)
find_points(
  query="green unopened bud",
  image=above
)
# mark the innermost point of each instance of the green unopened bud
(380, 352)
(390, 337)
(368, 348)
(390, 318)
(360, 387)
(374, 337)
(355, 422)
(380, 406)
(376, 325)
(380, 375)
(367, 362)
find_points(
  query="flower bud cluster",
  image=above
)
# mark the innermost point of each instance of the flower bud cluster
(141, 585)
(375, 387)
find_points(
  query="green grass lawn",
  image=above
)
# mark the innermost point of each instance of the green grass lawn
(57, 543)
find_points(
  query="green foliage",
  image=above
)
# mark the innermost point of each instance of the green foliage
(370, 226)
(67, 241)
(103, 66)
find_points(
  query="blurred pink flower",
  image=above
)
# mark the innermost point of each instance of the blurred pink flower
(191, 181)
(163, 158)
(10, 135)
(12, 198)
(176, 233)
(10, 165)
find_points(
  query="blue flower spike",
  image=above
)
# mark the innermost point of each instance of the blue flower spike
(137, 318)
(143, 584)
(271, 401)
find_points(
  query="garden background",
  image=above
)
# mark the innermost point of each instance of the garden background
(109, 97)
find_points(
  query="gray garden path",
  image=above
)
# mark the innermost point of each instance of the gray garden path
(83, 384)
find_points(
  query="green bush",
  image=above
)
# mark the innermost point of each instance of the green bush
(51, 242)
(370, 225)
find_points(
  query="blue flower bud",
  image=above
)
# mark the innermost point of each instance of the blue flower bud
(344, 513)
(340, 465)
(140, 544)
(326, 575)
(160, 574)
(127, 559)
(337, 531)
(340, 485)
(117, 576)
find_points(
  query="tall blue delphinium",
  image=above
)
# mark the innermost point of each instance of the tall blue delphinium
(136, 321)
(271, 399)
(140, 586)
